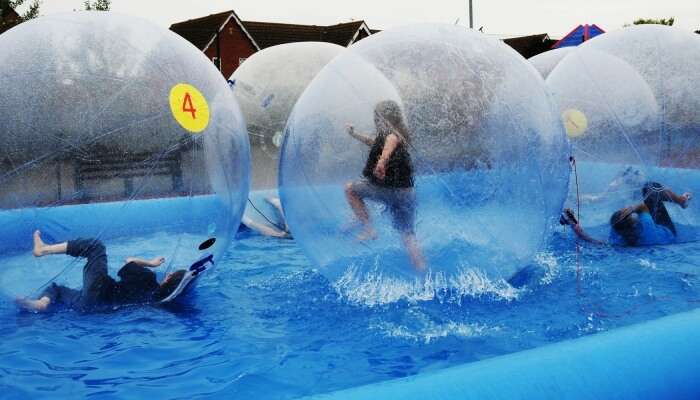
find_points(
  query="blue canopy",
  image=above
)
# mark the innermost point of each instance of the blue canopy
(579, 35)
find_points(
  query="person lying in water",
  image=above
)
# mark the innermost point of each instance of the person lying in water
(138, 284)
(644, 224)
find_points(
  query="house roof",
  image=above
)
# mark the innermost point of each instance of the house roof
(8, 18)
(269, 34)
(202, 31)
(579, 35)
(532, 45)
(345, 34)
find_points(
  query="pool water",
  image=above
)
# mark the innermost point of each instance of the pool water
(264, 325)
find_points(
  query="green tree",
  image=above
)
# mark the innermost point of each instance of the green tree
(659, 21)
(7, 21)
(97, 5)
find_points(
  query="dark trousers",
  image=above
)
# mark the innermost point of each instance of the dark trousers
(98, 286)
(654, 195)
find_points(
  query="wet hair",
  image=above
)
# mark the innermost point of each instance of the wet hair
(170, 285)
(388, 118)
(625, 224)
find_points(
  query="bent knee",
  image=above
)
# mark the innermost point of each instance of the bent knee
(98, 246)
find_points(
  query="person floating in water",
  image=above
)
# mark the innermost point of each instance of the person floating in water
(388, 178)
(644, 224)
(138, 284)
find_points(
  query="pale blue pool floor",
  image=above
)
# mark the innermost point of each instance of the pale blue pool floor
(264, 325)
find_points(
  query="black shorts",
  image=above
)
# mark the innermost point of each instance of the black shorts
(401, 202)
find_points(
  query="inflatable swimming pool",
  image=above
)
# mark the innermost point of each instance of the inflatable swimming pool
(263, 324)
(653, 360)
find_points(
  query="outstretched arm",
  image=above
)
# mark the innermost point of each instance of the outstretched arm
(581, 234)
(153, 263)
(568, 218)
(362, 138)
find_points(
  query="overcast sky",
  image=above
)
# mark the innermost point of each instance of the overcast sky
(502, 17)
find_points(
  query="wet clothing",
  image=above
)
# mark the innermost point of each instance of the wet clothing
(399, 170)
(401, 203)
(396, 189)
(649, 233)
(137, 285)
(654, 195)
(654, 227)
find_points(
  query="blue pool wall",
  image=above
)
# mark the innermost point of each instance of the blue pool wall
(659, 359)
(89, 220)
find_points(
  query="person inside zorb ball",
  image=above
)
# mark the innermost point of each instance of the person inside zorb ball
(388, 178)
(121, 139)
(429, 149)
(628, 102)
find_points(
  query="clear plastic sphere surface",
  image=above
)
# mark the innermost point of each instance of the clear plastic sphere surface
(118, 130)
(545, 62)
(629, 102)
(267, 85)
(478, 172)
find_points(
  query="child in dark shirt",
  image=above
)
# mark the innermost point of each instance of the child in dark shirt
(388, 178)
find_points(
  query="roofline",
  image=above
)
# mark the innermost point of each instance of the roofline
(357, 33)
(555, 45)
(232, 14)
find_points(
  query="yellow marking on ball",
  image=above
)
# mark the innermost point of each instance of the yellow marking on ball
(575, 122)
(189, 107)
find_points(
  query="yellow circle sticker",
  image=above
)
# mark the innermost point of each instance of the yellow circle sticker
(189, 107)
(575, 122)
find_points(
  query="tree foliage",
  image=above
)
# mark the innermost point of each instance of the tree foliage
(659, 21)
(97, 5)
(31, 12)
(7, 21)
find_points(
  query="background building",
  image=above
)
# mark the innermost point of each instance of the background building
(228, 41)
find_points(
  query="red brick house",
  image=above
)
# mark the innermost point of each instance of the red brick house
(8, 19)
(228, 41)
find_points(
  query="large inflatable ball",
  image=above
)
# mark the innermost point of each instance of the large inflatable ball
(117, 130)
(545, 62)
(267, 85)
(425, 150)
(629, 102)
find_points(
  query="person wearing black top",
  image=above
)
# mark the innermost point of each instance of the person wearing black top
(388, 178)
(138, 284)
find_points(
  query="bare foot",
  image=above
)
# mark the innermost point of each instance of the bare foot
(686, 197)
(39, 245)
(34, 305)
(367, 234)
